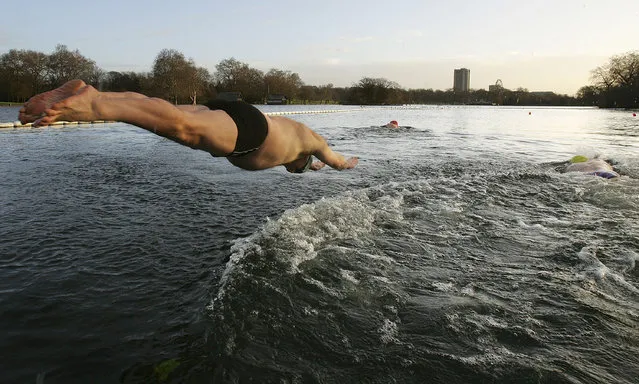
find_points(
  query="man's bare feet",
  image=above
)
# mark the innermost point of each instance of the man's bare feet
(36, 106)
(77, 107)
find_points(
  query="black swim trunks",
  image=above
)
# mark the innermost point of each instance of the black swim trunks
(252, 126)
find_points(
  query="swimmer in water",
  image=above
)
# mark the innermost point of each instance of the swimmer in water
(596, 167)
(392, 124)
(233, 129)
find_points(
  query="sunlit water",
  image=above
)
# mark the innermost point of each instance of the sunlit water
(455, 252)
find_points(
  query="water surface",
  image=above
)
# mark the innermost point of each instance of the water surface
(455, 252)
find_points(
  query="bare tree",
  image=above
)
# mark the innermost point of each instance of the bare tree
(23, 73)
(177, 78)
(168, 72)
(198, 80)
(283, 82)
(376, 91)
(618, 80)
(228, 71)
(233, 75)
(64, 65)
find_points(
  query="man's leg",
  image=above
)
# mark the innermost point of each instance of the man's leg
(192, 108)
(34, 108)
(195, 126)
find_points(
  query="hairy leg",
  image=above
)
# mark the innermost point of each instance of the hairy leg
(196, 126)
(124, 95)
(192, 108)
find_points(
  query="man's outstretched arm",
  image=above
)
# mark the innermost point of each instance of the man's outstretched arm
(331, 158)
(292, 142)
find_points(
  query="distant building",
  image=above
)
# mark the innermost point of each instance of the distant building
(461, 81)
(229, 96)
(276, 100)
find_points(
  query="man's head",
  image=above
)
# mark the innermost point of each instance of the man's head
(392, 124)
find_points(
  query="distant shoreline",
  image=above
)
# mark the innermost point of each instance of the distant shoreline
(12, 104)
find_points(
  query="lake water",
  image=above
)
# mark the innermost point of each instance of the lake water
(457, 251)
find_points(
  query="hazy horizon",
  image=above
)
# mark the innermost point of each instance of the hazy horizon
(540, 45)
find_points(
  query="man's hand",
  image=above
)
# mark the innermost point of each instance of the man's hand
(317, 165)
(351, 163)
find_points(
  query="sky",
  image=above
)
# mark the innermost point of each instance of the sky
(540, 45)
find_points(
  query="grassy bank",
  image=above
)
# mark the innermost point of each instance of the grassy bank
(8, 104)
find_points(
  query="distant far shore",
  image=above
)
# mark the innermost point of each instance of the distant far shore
(15, 104)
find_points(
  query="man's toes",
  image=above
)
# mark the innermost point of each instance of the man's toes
(57, 106)
(41, 122)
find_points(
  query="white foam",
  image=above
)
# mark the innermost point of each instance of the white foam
(594, 267)
(300, 233)
(495, 356)
(468, 290)
(632, 259)
(383, 279)
(383, 258)
(595, 270)
(522, 224)
(348, 275)
(443, 287)
(300, 230)
(388, 332)
(308, 311)
(492, 322)
(552, 221)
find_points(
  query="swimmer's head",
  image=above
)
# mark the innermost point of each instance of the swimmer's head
(392, 124)
(578, 159)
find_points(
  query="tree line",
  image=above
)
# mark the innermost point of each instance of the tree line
(615, 84)
(24, 73)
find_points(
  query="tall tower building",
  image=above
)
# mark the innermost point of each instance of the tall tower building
(461, 81)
